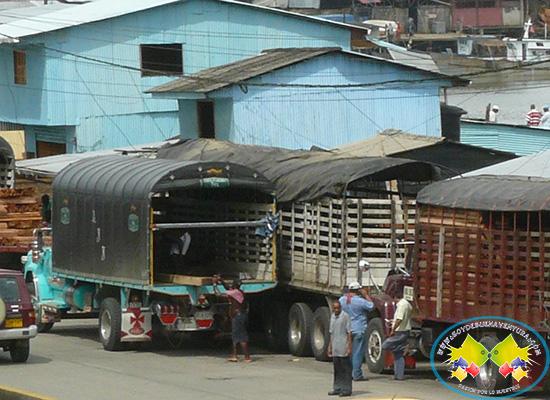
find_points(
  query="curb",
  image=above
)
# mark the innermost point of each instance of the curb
(9, 393)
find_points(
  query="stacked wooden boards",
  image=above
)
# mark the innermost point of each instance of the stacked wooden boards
(19, 216)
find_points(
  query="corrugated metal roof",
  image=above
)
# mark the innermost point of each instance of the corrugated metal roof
(72, 16)
(44, 19)
(387, 143)
(534, 165)
(50, 166)
(405, 56)
(215, 78)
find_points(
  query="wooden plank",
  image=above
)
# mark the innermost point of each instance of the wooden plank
(440, 266)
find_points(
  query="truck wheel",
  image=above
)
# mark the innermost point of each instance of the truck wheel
(20, 351)
(300, 322)
(320, 335)
(275, 325)
(109, 324)
(374, 355)
(488, 376)
(2, 311)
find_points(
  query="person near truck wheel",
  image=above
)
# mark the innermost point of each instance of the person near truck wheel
(399, 337)
(357, 308)
(339, 349)
(239, 316)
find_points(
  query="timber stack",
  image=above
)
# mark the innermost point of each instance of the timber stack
(19, 216)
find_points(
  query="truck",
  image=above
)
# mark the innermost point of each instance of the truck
(137, 241)
(339, 214)
(480, 249)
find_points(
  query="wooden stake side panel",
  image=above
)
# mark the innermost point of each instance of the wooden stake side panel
(488, 268)
(323, 242)
(228, 250)
(19, 216)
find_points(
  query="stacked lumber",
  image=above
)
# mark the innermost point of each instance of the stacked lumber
(19, 216)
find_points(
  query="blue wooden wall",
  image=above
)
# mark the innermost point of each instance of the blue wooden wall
(517, 139)
(64, 90)
(326, 117)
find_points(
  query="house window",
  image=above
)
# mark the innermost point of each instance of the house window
(19, 67)
(161, 59)
(205, 117)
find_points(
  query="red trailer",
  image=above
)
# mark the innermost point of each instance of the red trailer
(481, 249)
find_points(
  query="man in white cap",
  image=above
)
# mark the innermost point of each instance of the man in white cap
(493, 113)
(357, 308)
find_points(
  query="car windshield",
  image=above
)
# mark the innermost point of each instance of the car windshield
(9, 290)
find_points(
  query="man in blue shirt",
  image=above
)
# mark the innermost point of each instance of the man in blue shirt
(357, 308)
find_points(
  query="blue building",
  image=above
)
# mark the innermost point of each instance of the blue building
(297, 98)
(75, 75)
(519, 139)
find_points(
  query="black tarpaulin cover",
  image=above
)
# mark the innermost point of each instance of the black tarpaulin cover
(489, 192)
(301, 175)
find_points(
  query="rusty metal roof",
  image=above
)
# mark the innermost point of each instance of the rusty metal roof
(489, 193)
(216, 78)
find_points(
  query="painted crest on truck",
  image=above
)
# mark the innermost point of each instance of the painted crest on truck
(490, 356)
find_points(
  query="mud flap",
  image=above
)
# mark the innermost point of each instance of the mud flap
(136, 325)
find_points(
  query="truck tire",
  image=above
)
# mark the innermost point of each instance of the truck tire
(110, 319)
(374, 355)
(2, 311)
(488, 376)
(275, 326)
(300, 322)
(320, 335)
(20, 350)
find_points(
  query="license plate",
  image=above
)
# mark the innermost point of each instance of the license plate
(14, 323)
(203, 315)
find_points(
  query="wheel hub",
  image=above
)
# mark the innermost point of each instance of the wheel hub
(105, 325)
(375, 346)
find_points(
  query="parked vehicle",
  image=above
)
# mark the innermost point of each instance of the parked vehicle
(336, 210)
(17, 317)
(480, 250)
(137, 241)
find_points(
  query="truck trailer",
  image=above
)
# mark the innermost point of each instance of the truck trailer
(138, 240)
(480, 251)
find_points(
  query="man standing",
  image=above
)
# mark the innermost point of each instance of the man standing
(399, 335)
(545, 120)
(339, 349)
(357, 308)
(533, 116)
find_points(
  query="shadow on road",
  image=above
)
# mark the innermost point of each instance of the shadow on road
(6, 360)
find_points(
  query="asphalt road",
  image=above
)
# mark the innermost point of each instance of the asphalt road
(69, 363)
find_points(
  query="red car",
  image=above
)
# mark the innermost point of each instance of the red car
(17, 317)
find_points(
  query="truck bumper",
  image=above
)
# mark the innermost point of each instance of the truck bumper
(16, 334)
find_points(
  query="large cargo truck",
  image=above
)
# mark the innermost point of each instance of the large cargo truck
(339, 214)
(480, 250)
(137, 241)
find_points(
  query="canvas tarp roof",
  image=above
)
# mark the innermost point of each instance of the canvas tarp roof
(301, 175)
(490, 193)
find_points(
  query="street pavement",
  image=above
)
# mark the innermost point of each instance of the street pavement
(70, 363)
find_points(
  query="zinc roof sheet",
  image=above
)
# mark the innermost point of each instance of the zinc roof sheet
(215, 78)
(48, 18)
